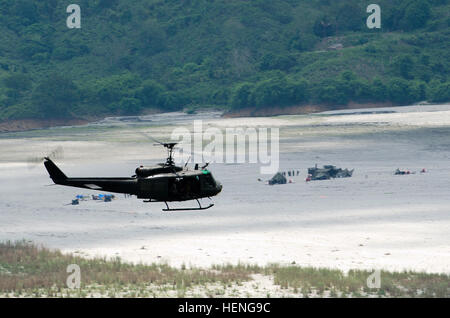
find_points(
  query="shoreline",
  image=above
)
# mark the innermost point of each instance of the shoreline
(19, 125)
(299, 110)
(22, 125)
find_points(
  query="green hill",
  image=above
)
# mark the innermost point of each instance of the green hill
(131, 57)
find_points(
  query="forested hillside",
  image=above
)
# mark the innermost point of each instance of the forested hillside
(134, 56)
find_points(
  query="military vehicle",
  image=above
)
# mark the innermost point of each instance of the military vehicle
(328, 172)
(399, 172)
(278, 179)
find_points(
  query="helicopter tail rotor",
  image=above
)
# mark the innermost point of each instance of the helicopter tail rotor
(55, 154)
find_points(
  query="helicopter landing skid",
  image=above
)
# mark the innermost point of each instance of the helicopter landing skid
(189, 209)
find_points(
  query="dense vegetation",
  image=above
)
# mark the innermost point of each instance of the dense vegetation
(130, 57)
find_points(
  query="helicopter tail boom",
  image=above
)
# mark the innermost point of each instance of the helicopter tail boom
(116, 185)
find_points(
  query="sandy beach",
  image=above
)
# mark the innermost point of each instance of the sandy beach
(374, 220)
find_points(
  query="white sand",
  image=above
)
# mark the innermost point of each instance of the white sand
(373, 220)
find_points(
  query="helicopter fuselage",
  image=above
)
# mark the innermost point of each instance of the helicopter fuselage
(156, 184)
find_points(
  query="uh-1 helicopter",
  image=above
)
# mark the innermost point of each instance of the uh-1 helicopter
(164, 182)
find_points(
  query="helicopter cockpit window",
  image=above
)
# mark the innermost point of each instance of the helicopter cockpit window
(209, 180)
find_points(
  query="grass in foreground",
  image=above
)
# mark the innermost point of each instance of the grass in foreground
(354, 283)
(27, 270)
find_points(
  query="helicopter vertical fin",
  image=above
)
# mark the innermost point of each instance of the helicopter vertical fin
(55, 173)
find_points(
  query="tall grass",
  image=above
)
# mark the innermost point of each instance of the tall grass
(24, 266)
(38, 271)
(393, 284)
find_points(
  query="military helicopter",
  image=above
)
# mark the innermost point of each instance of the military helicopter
(164, 182)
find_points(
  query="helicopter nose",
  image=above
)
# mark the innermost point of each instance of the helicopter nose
(219, 187)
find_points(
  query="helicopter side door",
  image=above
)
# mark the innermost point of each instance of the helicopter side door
(185, 188)
(153, 188)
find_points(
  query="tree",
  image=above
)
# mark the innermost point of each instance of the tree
(418, 91)
(26, 10)
(241, 95)
(401, 92)
(378, 90)
(349, 17)
(17, 85)
(150, 93)
(327, 92)
(55, 96)
(323, 27)
(31, 48)
(19, 82)
(173, 100)
(271, 92)
(416, 15)
(402, 65)
(130, 106)
(297, 42)
(152, 39)
(350, 87)
(279, 91)
(440, 93)
(104, 4)
(298, 91)
(277, 62)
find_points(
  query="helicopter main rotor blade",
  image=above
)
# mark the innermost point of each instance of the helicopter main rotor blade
(168, 145)
(194, 154)
(151, 138)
